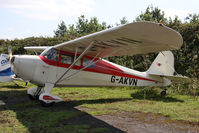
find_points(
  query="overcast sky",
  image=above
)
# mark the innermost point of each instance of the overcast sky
(26, 18)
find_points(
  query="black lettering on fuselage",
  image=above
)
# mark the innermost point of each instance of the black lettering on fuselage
(135, 81)
(113, 79)
(121, 80)
(124, 80)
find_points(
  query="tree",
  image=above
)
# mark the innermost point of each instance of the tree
(151, 14)
(61, 30)
(193, 18)
(82, 27)
(85, 26)
(123, 20)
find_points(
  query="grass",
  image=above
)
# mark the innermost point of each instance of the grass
(28, 116)
(111, 100)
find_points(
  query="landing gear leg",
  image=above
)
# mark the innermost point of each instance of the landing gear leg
(34, 93)
(47, 99)
(163, 93)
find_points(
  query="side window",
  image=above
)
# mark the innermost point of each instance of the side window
(52, 54)
(87, 62)
(66, 59)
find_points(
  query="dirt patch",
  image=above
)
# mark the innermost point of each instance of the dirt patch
(85, 109)
(93, 122)
(148, 123)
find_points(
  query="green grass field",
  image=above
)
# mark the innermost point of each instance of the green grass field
(19, 114)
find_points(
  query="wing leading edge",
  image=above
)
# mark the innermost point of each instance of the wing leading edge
(36, 48)
(128, 39)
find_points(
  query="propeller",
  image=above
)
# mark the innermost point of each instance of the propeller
(11, 59)
(10, 53)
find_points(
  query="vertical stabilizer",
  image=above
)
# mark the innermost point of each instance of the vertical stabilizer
(163, 64)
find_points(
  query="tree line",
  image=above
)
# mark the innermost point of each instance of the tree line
(186, 59)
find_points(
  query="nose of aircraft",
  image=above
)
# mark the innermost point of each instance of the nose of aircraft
(24, 66)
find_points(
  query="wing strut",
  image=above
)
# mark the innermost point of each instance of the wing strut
(91, 63)
(75, 53)
(87, 48)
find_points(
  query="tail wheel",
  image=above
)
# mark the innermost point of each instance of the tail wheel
(163, 93)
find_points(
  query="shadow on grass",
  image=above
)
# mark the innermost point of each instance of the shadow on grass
(15, 86)
(63, 117)
(95, 101)
(153, 95)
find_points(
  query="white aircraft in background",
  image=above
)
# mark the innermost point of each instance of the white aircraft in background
(6, 75)
(80, 62)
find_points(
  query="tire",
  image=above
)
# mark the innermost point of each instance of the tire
(44, 104)
(33, 97)
(163, 93)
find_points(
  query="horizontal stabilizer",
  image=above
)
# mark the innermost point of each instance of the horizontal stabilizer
(175, 79)
(178, 79)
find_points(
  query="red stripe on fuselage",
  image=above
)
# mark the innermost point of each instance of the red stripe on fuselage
(100, 67)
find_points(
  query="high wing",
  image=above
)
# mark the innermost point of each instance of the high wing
(129, 39)
(36, 48)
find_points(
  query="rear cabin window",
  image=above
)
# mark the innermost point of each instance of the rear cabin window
(66, 59)
(87, 62)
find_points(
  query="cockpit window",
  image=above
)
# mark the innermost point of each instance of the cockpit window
(52, 54)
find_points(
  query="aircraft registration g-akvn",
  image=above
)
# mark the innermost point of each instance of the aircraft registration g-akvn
(80, 62)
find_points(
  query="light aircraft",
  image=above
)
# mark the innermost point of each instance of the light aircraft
(6, 75)
(80, 62)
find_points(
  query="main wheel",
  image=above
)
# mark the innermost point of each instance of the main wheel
(34, 93)
(33, 97)
(163, 93)
(44, 104)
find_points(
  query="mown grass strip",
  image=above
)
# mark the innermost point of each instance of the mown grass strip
(29, 116)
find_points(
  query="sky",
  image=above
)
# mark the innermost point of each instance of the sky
(27, 18)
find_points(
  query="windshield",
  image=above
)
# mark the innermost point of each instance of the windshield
(51, 54)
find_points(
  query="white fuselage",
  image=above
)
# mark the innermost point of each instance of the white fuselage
(34, 69)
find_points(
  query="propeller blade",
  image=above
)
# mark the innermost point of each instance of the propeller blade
(10, 53)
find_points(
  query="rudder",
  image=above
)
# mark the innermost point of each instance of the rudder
(163, 64)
